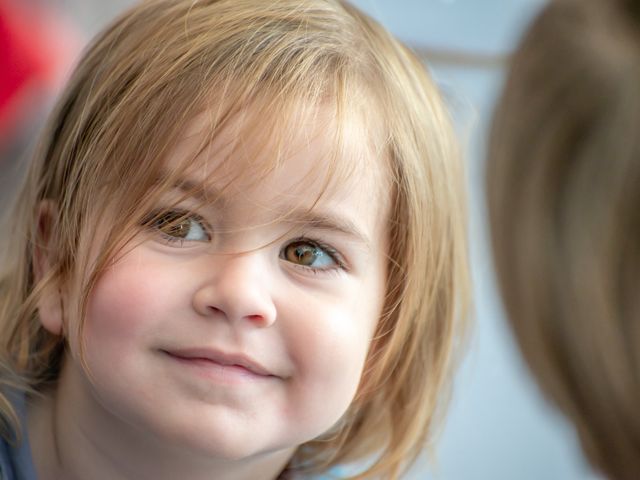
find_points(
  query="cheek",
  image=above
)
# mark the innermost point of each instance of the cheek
(128, 302)
(331, 342)
(117, 306)
(127, 311)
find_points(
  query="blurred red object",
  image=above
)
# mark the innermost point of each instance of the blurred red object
(37, 49)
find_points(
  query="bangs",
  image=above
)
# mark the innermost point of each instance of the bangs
(255, 90)
(262, 138)
(233, 145)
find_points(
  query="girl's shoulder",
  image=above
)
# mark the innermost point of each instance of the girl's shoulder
(6, 469)
(15, 458)
(334, 474)
(7, 460)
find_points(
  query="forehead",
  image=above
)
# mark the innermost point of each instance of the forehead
(312, 158)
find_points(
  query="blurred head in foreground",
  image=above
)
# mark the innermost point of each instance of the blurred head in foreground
(563, 184)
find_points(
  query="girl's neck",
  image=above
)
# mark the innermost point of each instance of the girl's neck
(74, 439)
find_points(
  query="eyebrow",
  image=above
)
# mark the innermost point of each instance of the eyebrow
(327, 221)
(313, 218)
(199, 191)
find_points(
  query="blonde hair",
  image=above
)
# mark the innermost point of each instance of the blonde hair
(165, 61)
(563, 184)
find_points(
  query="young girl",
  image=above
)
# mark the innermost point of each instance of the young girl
(238, 254)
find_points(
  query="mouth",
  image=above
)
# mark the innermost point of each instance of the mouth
(220, 363)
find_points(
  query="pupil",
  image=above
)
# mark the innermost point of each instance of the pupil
(302, 254)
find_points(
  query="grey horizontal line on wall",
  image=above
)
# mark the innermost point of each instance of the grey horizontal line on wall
(461, 58)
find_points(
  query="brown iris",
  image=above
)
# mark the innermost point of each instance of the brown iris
(174, 224)
(302, 253)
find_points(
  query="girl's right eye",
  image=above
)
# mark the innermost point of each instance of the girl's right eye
(181, 226)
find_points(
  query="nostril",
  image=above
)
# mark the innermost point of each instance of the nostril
(255, 318)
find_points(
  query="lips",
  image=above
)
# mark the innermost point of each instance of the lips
(219, 358)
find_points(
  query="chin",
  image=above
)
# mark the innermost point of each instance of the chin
(223, 444)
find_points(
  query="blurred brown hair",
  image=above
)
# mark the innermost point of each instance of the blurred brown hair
(563, 185)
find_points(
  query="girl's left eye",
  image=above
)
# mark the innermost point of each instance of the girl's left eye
(310, 254)
(181, 226)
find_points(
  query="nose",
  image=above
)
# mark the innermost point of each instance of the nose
(237, 288)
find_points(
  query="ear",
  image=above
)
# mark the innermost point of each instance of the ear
(50, 306)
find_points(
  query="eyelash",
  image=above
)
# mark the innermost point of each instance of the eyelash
(153, 220)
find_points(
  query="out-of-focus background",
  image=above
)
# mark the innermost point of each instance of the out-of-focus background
(499, 425)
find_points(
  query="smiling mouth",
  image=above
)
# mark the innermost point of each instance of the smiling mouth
(220, 366)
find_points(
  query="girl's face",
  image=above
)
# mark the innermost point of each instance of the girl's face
(244, 328)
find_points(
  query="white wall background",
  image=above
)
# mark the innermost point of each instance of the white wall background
(499, 426)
